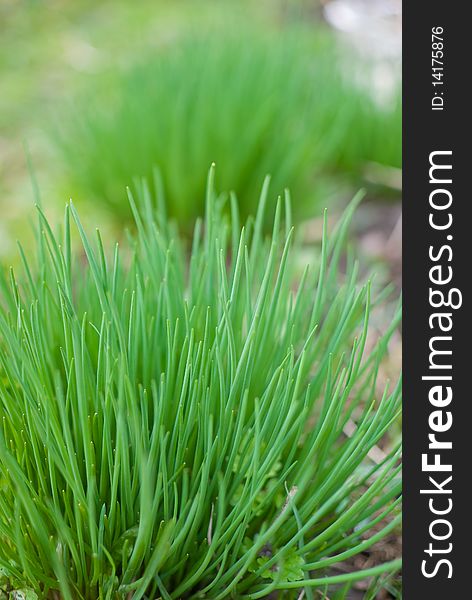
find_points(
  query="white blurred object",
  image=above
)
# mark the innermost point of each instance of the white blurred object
(373, 28)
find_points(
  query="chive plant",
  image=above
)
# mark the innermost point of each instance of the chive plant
(254, 103)
(174, 419)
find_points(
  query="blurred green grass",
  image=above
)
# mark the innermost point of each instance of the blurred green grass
(54, 52)
(255, 103)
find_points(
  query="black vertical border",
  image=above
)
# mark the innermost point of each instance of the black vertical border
(424, 131)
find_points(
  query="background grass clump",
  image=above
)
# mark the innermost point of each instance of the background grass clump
(253, 102)
(174, 419)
